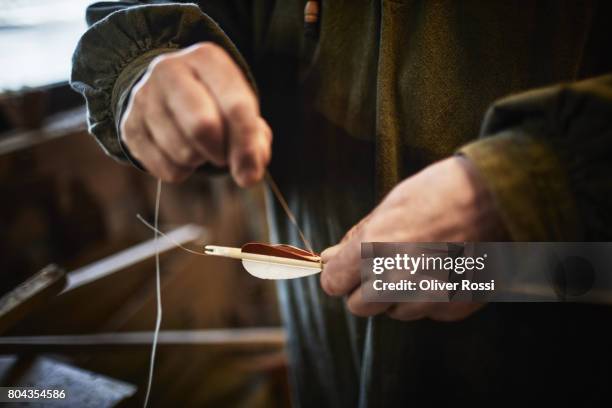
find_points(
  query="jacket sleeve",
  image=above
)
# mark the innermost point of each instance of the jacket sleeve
(546, 155)
(124, 37)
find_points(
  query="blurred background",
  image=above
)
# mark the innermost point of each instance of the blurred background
(78, 280)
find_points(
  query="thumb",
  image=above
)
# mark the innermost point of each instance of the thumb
(250, 151)
(330, 252)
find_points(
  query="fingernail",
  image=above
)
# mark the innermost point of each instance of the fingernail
(249, 172)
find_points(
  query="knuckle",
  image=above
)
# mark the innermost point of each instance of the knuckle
(204, 125)
(186, 155)
(240, 109)
(351, 233)
(268, 133)
(209, 50)
(129, 130)
(182, 154)
(140, 96)
(162, 65)
(267, 155)
(265, 129)
(264, 140)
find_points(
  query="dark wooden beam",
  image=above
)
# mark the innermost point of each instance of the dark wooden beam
(30, 295)
(263, 337)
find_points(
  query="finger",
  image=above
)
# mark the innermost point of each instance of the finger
(166, 134)
(340, 274)
(410, 311)
(249, 147)
(197, 114)
(454, 311)
(249, 137)
(141, 147)
(330, 252)
(358, 304)
(158, 164)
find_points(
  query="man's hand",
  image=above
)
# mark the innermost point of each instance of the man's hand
(446, 202)
(195, 106)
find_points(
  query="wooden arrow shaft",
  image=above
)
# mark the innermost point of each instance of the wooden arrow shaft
(236, 253)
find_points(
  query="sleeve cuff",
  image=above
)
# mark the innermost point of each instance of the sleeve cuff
(529, 186)
(114, 53)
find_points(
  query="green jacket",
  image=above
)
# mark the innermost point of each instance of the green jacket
(380, 91)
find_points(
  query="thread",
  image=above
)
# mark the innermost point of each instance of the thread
(277, 194)
(174, 241)
(158, 316)
(157, 233)
(283, 203)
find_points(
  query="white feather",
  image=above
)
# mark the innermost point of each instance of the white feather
(267, 270)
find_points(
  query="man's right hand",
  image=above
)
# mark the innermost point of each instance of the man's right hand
(196, 106)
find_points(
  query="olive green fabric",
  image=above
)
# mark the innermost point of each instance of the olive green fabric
(562, 189)
(390, 87)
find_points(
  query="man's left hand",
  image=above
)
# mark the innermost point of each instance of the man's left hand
(446, 202)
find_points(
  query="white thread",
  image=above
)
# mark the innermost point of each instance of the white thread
(157, 233)
(174, 241)
(157, 293)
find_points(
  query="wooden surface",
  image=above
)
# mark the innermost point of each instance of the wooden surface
(34, 293)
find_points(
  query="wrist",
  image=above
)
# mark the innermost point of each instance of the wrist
(480, 200)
